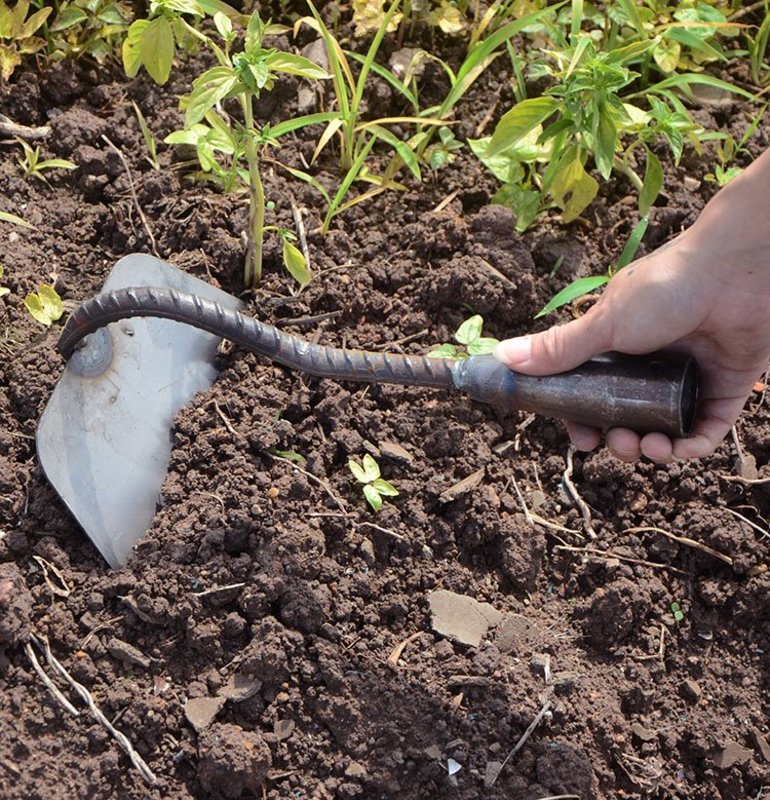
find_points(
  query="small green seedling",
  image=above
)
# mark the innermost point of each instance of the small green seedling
(374, 487)
(442, 152)
(468, 335)
(149, 138)
(32, 165)
(45, 305)
(676, 610)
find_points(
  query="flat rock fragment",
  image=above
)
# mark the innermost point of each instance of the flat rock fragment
(202, 711)
(732, 753)
(460, 617)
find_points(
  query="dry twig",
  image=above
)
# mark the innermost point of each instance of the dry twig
(301, 235)
(683, 540)
(522, 741)
(609, 555)
(86, 696)
(49, 684)
(573, 492)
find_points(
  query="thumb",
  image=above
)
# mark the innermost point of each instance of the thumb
(557, 349)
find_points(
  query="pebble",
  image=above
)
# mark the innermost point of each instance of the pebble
(690, 690)
(731, 754)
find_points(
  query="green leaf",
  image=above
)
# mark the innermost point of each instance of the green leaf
(211, 87)
(45, 305)
(576, 289)
(289, 455)
(384, 488)
(6, 217)
(371, 468)
(69, 16)
(470, 330)
(296, 65)
(132, 56)
(56, 163)
(606, 135)
(666, 54)
(519, 121)
(573, 188)
(632, 245)
(525, 203)
(443, 351)
(295, 263)
(482, 346)
(653, 183)
(372, 497)
(357, 470)
(156, 49)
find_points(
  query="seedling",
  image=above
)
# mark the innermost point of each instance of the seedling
(32, 165)
(676, 610)
(443, 152)
(149, 138)
(469, 336)
(45, 305)
(94, 28)
(374, 487)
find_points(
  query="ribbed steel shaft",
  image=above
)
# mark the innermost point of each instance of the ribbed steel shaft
(250, 333)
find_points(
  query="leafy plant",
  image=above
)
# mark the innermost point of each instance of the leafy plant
(357, 136)
(45, 305)
(728, 150)
(243, 76)
(34, 168)
(591, 283)
(93, 28)
(441, 153)
(374, 487)
(17, 34)
(758, 52)
(469, 335)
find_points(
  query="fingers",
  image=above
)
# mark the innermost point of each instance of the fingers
(583, 437)
(558, 349)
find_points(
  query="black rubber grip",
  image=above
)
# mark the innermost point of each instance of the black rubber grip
(256, 336)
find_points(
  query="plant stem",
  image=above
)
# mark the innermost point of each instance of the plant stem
(252, 272)
(626, 169)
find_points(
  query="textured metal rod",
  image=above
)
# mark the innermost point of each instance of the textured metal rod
(643, 393)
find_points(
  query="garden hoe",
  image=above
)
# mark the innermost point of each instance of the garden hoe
(104, 440)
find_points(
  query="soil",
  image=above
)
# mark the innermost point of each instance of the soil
(248, 648)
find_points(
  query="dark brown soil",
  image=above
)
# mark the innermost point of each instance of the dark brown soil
(641, 705)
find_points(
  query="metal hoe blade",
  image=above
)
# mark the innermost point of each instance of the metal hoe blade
(104, 439)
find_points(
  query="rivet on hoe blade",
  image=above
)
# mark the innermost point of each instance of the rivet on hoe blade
(104, 438)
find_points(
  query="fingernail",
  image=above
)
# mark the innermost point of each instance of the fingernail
(514, 351)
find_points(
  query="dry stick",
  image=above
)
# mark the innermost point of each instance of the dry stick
(10, 128)
(527, 733)
(315, 480)
(445, 202)
(217, 589)
(380, 529)
(533, 519)
(300, 225)
(608, 555)
(134, 195)
(683, 540)
(747, 481)
(85, 695)
(748, 521)
(50, 685)
(579, 502)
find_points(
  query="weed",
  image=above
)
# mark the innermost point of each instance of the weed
(149, 138)
(17, 34)
(728, 150)
(34, 168)
(374, 487)
(469, 335)
(676, 610)
(441, 153)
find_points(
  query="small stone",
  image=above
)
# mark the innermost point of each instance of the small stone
(460, 617)
(565, 681)
(395, 452)
(239, 687)
(491, 773)
(283, 729)
(127, 653)
(540, 664)
(690, 690)
(464, 486)
(643, 734)
(202, 711)
(434, 752)
(731, 754)
(762, 744)
(367, 551)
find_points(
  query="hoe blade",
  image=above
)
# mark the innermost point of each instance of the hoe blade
(104, 439)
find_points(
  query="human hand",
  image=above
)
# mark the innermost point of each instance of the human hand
(707, 293)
